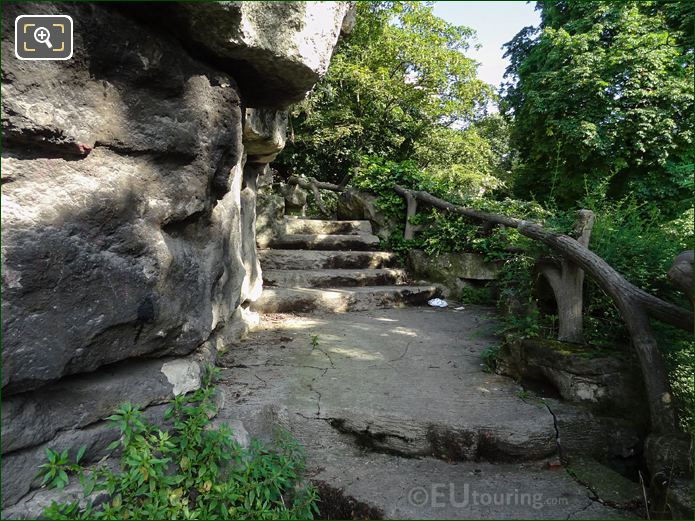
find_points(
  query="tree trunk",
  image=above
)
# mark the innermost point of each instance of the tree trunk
(567, 284)
(681, 273)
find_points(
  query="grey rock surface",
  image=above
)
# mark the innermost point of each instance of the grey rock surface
(270, 208)
(326, 242)
(33, 504)
(295, 199)
(265, 131)
(135, 247)
(296, 225)
(129, 205)
(36, 416)
(411, 391)
(340, 300)
(333, 278)
(606, 380)
(20, 467)
(316, 259)
(278, 49)
(453, 270)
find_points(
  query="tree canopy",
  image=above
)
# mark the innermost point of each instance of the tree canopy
(401, 87)
(602, 94)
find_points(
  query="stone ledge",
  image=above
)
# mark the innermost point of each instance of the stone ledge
(607, 381)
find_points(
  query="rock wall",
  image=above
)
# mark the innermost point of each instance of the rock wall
(129, 204)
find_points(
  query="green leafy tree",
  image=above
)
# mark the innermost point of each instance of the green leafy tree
(399, 87)
(602, 91)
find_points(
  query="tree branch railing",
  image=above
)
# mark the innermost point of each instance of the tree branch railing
(636, 306)
(315, 186)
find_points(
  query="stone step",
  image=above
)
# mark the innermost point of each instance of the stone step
(333, 278)
(336, 300)
(317, 259)
(298, 225)
(326, 242)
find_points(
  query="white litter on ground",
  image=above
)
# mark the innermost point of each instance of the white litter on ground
(437, 303)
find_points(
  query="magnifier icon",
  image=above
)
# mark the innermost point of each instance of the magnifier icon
(43, 35)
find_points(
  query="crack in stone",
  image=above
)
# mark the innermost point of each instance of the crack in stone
(326, 355)
(405, 352)
(557, 430)
(318, 393)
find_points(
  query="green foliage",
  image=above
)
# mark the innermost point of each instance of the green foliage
(444, 232)
(490, 355)
(314, 341)
(477, 295)
(603, 91)
(636, 240)
(378, 176)
(680, 360)
(191, 471)
(55, 470)
(329, 200)
(523, 394)
(400, 87)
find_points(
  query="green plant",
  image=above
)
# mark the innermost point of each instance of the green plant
(55, 470)
(524, 395)
(475, 295)
(490, 356)
(399, 86)
(314, 341)
(329, 199)
(190, 471)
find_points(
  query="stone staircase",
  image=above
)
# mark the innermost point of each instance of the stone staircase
(332, 266)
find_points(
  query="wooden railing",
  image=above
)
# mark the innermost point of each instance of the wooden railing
(636, 306)
(309, 183)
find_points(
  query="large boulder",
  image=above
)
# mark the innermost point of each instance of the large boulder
(264, 134)
(79, 401)
(278, 49)
(455, 271)
(129, 206)
(134, 245)
(608, 381)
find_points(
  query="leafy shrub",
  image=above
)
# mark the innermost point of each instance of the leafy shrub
(476, 295)
(191, 471)
(378, 176)
(330, 203)
(490, 355)
(443, 232)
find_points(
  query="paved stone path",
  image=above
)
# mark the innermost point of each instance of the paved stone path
(398, 417)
